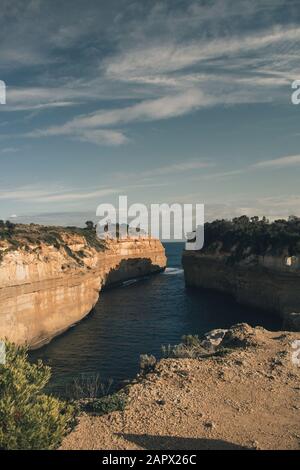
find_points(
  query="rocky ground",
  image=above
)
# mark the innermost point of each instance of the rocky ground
(245, 396)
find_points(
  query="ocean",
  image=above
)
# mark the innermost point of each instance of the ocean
(137, 318)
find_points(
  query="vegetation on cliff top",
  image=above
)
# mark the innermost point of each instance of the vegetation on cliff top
(244, 236)
(32, 236)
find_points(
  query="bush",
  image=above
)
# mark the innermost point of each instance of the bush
(191, 341)
(104, 405)
(30, 419)
(190, 347)
(147, 363)
(87, 386)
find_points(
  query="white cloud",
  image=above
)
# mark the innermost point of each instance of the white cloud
(54, 193)
(148, 110)
(102, 137)
(292, 160)
(172, 57)
(185, 59)
(57, 193)
(88, 127)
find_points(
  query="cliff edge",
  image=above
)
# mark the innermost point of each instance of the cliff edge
(256, 261)
(243, 396)
(50, 277)
(267, 283)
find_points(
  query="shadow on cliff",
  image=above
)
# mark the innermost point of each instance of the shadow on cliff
(129, 269)
(149, 442)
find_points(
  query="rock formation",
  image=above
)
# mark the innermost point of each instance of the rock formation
(244, 396)
(47, 286)
(265, 282)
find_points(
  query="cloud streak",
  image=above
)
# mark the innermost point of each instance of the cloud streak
(289, 161)
(173, 57)
(89, 127)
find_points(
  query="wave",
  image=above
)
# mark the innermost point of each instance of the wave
(173, 271)
(133, 281)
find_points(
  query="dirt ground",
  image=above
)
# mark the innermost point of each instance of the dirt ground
(249, 397)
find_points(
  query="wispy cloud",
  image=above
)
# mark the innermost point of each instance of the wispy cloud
(272, 164)
(101, 136)
(211, 60)
(292, 160)
(223, 174)
(173, 57)
(54, 194)
(9, 150)
(172, 169)
(88, 127)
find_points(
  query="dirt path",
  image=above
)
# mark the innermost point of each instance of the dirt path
(248, 398)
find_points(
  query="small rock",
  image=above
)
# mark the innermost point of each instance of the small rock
(213, 338)
(255, 444)
(239, 362)
(160, 402)
(209, 424)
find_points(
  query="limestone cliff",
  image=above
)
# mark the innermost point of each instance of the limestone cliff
(267, 282)
(49, 283)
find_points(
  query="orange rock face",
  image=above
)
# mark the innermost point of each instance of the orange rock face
(45, 290)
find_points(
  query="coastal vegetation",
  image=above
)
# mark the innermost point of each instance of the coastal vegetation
(191, 346)
(31, 237)
(244, 236)
(30, 419)
(27, 234)
(91, 395)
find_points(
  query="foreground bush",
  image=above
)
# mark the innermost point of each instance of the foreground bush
(30, 419)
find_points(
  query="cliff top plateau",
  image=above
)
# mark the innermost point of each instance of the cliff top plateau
(246, 395)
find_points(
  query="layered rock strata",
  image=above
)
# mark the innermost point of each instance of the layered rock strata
(45, 289)
(269, 283)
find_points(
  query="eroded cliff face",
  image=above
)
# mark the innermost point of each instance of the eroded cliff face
(44, 288)
(269, 283)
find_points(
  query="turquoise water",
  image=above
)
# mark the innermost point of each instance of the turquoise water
(138, 318)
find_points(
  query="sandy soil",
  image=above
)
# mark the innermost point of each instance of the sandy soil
(247, 398)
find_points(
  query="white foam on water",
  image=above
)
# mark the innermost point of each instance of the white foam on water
(130, 282)
(173, 271)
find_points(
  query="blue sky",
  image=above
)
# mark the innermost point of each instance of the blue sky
(170, 101)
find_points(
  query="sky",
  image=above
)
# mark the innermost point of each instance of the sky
(163, 101)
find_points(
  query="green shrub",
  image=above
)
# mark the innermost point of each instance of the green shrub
(190, 347)
(30, 419)
(104, 405)
(147, 363)
(191, 341)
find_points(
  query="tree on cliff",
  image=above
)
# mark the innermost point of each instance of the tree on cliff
(30, 419)
(243, 236)
(89, 225)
